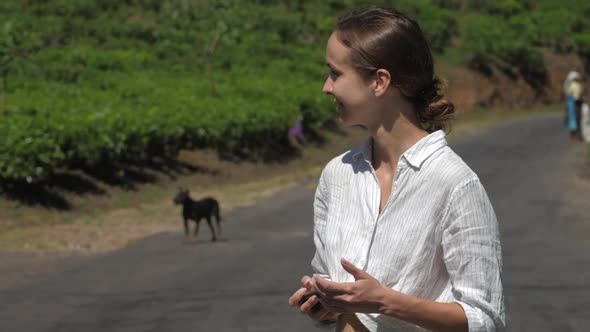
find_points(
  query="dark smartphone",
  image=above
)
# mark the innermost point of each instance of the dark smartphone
(316, 307)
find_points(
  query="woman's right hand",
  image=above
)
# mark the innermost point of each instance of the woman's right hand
(312, 306)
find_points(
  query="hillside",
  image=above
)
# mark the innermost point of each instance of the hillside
(99, 84)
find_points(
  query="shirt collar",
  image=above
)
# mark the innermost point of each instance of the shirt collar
(415, 155)
(424, 148)
(365, 151)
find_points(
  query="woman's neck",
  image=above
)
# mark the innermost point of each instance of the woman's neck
(391, 140)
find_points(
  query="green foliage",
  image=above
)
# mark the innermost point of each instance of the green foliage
(505, 8)
(15, 44)
(439, 25)
(511, 30)
(95, 81)
(582, 45)
(556, 27)
(505, 44)
(449, 4)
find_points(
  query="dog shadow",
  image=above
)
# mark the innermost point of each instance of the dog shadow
(201, 242)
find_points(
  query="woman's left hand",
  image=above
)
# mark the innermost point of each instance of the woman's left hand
(365, 294)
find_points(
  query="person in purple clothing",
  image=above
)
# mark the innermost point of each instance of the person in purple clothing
(296, 133)
(297, 130)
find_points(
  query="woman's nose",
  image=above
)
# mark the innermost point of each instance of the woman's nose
(327, 89)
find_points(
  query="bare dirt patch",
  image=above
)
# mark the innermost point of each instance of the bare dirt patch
(114, 217)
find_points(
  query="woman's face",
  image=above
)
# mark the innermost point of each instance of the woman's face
(352, 94)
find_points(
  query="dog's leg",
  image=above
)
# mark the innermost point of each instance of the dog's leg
(218, 220)
(218, 229)
(185, 228)
(196, 234)
(214, 237)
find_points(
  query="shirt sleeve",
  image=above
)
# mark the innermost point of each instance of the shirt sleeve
(472, 255)
(320, 216)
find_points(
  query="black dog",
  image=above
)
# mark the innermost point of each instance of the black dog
(197, 210)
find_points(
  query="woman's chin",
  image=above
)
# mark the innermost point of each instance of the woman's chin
(341, 118)
(345, 119)
(346, 122)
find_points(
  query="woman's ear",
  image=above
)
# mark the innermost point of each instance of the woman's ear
(382, 82)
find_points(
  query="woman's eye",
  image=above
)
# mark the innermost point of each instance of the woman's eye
(333, 75)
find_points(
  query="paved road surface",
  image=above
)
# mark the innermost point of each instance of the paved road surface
(243, 283)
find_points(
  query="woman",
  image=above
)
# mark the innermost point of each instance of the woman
(406, 238)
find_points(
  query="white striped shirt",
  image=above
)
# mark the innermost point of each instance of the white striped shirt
(437, 237)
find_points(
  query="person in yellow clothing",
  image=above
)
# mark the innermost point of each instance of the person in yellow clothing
(573, 91)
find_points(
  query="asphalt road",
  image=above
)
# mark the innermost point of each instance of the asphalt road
(243, 282)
